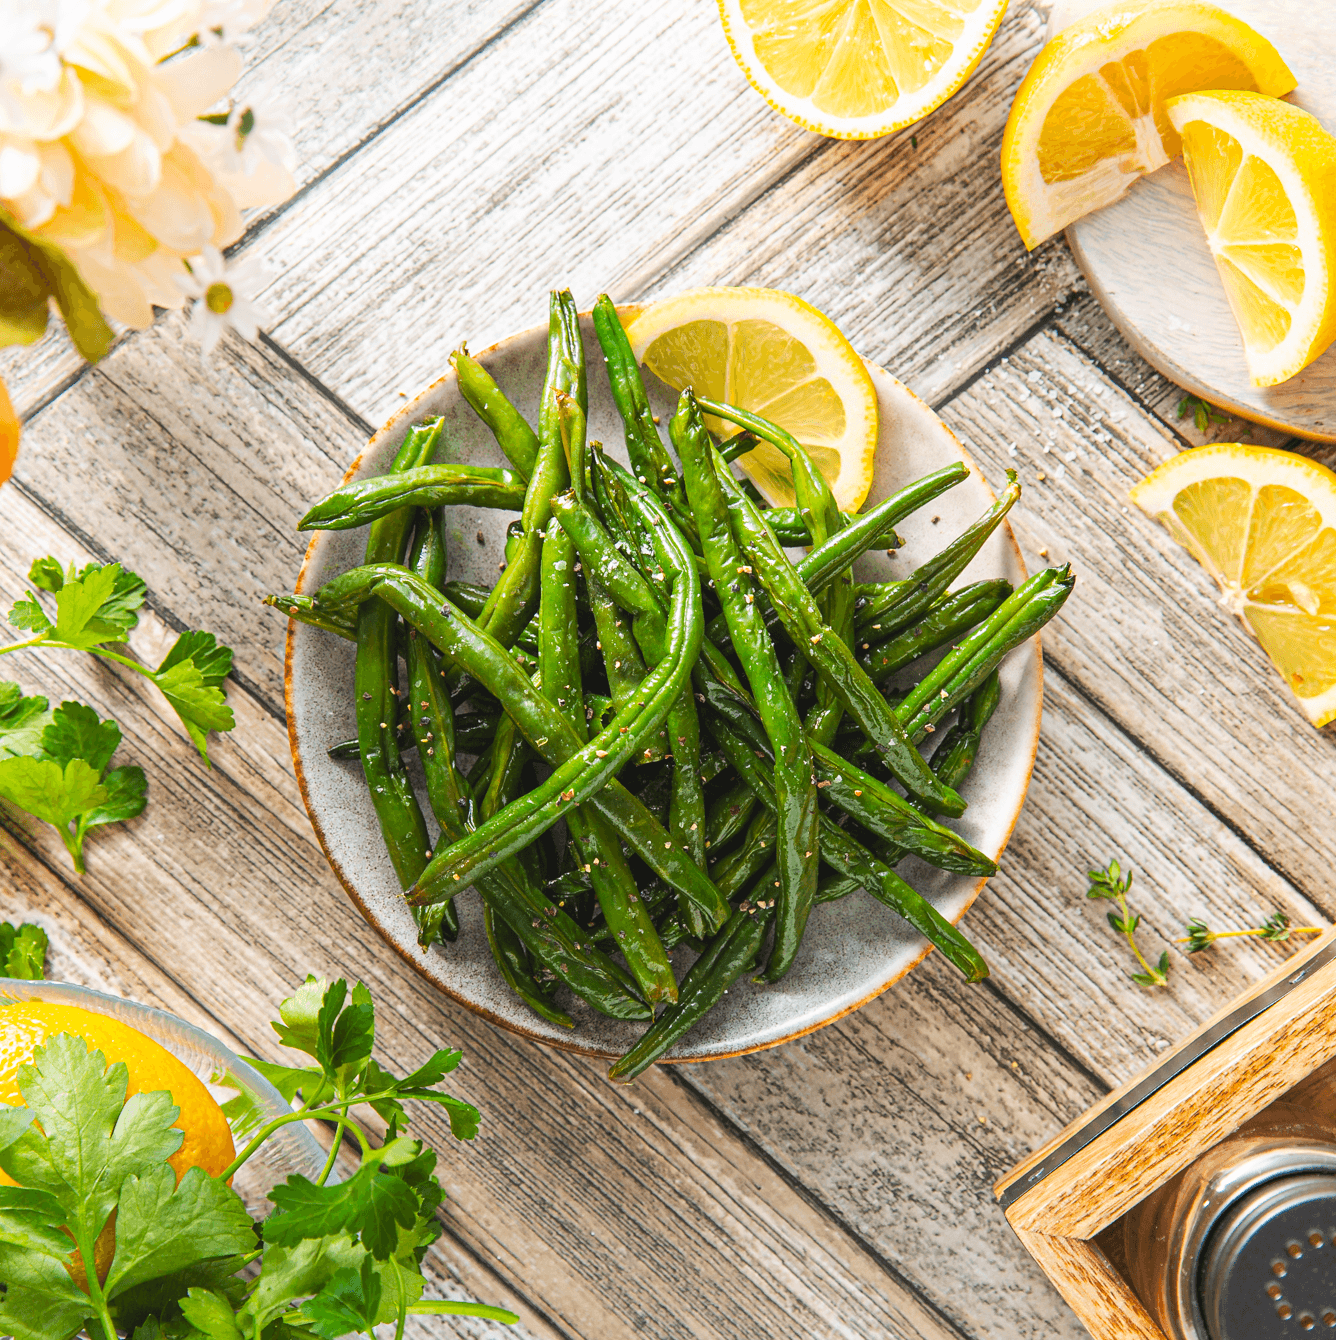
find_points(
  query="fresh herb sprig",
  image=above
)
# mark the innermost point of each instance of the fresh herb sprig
(333, 1259)
(96, 607)
(1276, 929)
(1110, 884)
(1204, 414)
(56, 766)
(23, 951)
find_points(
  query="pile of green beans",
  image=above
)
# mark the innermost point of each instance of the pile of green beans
(724, 738)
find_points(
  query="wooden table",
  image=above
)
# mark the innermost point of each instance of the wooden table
(454, 167)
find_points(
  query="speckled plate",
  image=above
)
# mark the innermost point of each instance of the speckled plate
(854, 949)
(1147, 260)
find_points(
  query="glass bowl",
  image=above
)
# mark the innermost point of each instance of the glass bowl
(246, 1097)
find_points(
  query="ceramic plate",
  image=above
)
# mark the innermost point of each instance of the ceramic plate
(1147, 261)
(854, 948)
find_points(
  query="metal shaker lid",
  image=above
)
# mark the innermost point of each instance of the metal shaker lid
(1269, 1267)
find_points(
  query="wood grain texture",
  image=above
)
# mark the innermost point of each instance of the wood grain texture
(1088, 326)
(197, 475)
(1193, 1111)
(1143, 636)
(906, 242)
(1098, 1294)
(572, 1178)
(337, 73)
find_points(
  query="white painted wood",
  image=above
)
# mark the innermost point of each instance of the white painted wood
(1143, 634)
(1147, 260)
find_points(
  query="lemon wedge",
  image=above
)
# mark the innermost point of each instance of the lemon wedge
(1089, 116)
(776, 355)
(1264, 176)
(856, 69)
(1263, 523)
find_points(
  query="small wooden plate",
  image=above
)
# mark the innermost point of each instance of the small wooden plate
(1147, 261)
(855, 948)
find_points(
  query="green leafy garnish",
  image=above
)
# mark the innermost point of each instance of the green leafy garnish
(63, 775)
(23, 951)
(1276, 929)
(1204, 414)
(1112, 885)
(334, 1259)
(97, 606)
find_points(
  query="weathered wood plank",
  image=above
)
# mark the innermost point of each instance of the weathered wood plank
(568, 1184)
(902, 1115)
(195, 477)
(338, 72)
(1144, 635)
(907, 242)
(1085, 323)
(652, 139)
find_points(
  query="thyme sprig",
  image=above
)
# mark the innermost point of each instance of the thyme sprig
(1111, 885)
(1276, 928)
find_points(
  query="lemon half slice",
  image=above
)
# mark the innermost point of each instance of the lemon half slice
(1264, 175)
(855, 69)
(1089, 117)
(1263, 523)
(774, 354)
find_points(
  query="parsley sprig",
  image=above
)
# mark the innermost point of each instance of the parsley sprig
(1112, 885)
(97, 606)
(333, 1259)
(56, 766)
(23, 951)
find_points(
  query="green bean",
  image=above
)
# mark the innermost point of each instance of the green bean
(834, 887)
(302, 610)
(959, 747)
(829, 654)
(515, 597)
(375, 685)
(732, 952)
(486, 399)
(958, 673)
(889, 815)
(580, 773)
(513, 961)
(901, 603)
(733, 872)
(595, 842)
(366, 500)
(951, 616)
(432, 724)
(622, 661)
(650, 460)
(843, 853)
(794, 785)
(729, 814)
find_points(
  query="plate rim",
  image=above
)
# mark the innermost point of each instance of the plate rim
(407, 412)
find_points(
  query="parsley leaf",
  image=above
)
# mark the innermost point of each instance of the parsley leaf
(22, 721)
(46, 574)
(298, 1015)
(76, 732)
(23, 951)
(127, 794)
(162, 1227)
(90, 1138)
(56, 796)
(90, 609)
(194, 695)
(210, 1314)
(349, 1302)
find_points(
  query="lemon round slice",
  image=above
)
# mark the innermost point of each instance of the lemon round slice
(855, 69)
(1263, 523)
(777, 356)
(1089, 117)
(1264, 175)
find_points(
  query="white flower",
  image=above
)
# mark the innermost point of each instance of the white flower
(224, 296)
(257, 130)
(29, 57)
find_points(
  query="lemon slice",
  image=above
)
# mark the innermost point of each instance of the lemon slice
(855, 69)
(1263, 523)
(1264, 175)
(1089, 117)
(776, 355)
